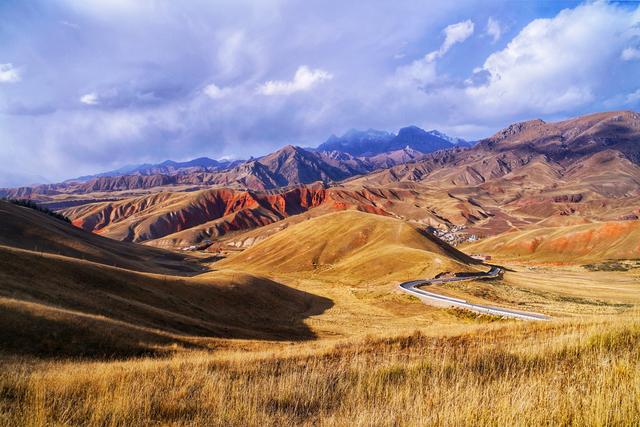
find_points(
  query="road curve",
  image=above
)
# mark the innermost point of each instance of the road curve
(411, 287)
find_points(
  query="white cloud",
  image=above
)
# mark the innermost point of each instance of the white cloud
(555, 64)
(304, 79)
(423, 71)
(632, 98)
(9, 74)
(630, 54)
(623, 100)
(215, 92)
(494, 29)
(453, 34)
(69, 24)
(90, 99)
(419, 72)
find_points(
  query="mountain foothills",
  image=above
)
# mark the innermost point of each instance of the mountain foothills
(529, 174)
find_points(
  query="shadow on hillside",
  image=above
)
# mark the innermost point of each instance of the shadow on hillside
(48, 333)
(32, 230)
(449, 250)
(56, 308)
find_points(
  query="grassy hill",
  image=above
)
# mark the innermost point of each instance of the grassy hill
(579, 372)
(66, 292)
(574, 243)
(351, 244)
(58, 306)
(25, 228)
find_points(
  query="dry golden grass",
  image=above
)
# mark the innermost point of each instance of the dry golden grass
(555, 290)
(55, 306)
(352, 246)
(328, 341)
(558, 373)
(25, 228)
(596, 241)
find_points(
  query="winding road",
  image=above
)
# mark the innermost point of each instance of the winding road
(411, 287)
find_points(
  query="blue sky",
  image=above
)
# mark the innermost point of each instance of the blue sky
(90, 85)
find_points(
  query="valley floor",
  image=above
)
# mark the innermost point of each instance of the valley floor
(379, 357)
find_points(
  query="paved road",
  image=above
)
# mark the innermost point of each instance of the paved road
(411, 287)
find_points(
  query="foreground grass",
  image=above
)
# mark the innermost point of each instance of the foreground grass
(570, 373)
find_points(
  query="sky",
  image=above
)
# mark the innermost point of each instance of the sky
(92, 85)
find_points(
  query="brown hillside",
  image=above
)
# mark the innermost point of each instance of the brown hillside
(58, 306)
(183, 219)
(575, 243)
(25, 228)
(352, 245)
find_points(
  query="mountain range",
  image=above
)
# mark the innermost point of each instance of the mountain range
(372, 142)
(168, 167)
(368, 143)
(290, 165)
(531, 173)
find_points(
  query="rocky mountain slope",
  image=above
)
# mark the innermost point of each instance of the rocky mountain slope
(183, 219)
(598, 141)
(333, 161)
(288, 166)
(588, 166)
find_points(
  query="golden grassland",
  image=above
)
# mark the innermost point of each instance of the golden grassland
(577, 243)
(574, 372)
(54, 305)
(351, 246)
(308, 327)
(559, 291)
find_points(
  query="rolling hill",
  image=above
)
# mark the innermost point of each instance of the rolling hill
(66, 292)
(350, 245)
(28, 229)
(182, 219)
(54, 306)
(572, 243)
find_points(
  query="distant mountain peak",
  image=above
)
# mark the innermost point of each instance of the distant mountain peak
(411, 129)
(451, 139)
(290, 148)
(167, 167)
(373, 142)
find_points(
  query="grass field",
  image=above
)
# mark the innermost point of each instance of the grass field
(581, 243)
(579, 372)
(560, 291)
(308, 327)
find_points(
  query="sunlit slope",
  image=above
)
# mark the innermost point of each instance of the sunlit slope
(56, 306)
(576, 243)
(352, 245)
(29, 229)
